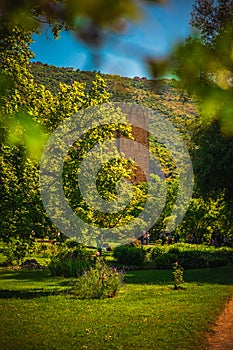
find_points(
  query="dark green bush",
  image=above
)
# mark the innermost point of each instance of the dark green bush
(71, 243)
(191, 256)
(178, 275)
(156, 251)
(216, 261)
(193, 259)
(220, 257)
(173, 250)
(230, 255)
(129, 255)
(15, 250)
(165, 261)
(71, 262)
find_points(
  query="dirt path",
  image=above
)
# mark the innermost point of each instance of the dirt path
(222, 339)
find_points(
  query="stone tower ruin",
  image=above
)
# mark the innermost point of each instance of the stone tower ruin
(138, 118)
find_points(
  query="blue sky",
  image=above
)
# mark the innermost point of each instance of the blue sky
(161, 27)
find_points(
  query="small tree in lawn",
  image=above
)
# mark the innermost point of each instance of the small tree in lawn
(178, 273)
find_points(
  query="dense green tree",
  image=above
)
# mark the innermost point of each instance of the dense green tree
(29, 113)
(212, 161)
(207, 218)
(206, 71)
(171, 195)
(204, 67)
(21, 207)
(28, 107)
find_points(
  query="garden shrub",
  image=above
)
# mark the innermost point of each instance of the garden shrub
(193, 259)
(178, 275)
(98, 282)
(71, 243)
(156, 251)
(191, 256)
(46, 250)
(129, 255)
(15, 250)
(215, 261)
(165, 261)
(220, 257)
(70, 262)
(41, 250)
(173, 250)
(230, 255)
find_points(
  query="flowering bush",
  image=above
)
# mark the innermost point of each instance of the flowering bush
(99, 282)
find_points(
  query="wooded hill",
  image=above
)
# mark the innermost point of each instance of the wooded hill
(160, 95)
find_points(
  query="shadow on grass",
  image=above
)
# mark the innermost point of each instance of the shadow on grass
(149, 277)
(27, 294)
(218, 275)
(49, 285)
(36, 275)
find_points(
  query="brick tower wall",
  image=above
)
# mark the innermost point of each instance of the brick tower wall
(138, 118)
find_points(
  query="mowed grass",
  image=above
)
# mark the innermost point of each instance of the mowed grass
(39, 313)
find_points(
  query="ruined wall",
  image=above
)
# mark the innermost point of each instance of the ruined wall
(138, 118)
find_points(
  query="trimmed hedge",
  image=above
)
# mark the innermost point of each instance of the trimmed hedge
(166, 261)
(191, 256)
(129, 255)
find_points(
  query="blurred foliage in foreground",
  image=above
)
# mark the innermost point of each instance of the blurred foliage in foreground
(204, 64)
(90, 21)
(205, 68)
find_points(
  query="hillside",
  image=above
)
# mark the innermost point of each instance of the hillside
(160, 95)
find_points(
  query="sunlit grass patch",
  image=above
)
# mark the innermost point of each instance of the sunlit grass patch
(39, 313)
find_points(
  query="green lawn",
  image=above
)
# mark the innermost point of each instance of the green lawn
(38, 313)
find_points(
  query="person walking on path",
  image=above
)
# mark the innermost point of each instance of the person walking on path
(163, 238)
(147, 238)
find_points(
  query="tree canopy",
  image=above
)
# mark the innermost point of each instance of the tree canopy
(89, 19)
(30, 112)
